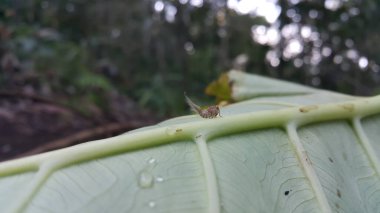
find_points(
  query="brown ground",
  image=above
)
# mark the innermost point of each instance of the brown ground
(31, 125)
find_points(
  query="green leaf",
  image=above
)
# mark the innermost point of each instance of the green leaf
(251, 86)
(286, 148)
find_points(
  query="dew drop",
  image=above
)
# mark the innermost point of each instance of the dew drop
(159, 179)
(152, 204)
(145, 179)
(152, 161)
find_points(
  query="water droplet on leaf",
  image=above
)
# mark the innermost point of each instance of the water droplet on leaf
(159, 179)
(145, 179)
(152, 204)
(152, 161)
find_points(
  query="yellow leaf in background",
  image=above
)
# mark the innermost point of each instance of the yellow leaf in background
(220, 88)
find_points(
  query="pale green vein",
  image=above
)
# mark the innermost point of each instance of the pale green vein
(308, 167)
(366, 144)
(271, 103)
(43, 173)
(209, 171)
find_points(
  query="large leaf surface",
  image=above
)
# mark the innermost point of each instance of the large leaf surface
(283, 148)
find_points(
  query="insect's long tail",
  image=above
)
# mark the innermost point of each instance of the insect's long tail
(192, 105)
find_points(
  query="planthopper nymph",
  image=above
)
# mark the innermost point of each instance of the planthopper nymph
(207, 112)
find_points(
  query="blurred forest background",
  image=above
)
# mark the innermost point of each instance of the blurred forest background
(77, 70)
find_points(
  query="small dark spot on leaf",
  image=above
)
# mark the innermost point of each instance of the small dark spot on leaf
(331, 160)
(178, 130)
(308, 161)
(308, 108)
(286, 193)
(337, 205)
(338, 193)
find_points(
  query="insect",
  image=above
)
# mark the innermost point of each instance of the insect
(207, 112)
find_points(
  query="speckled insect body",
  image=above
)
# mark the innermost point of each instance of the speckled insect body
(209, 112)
